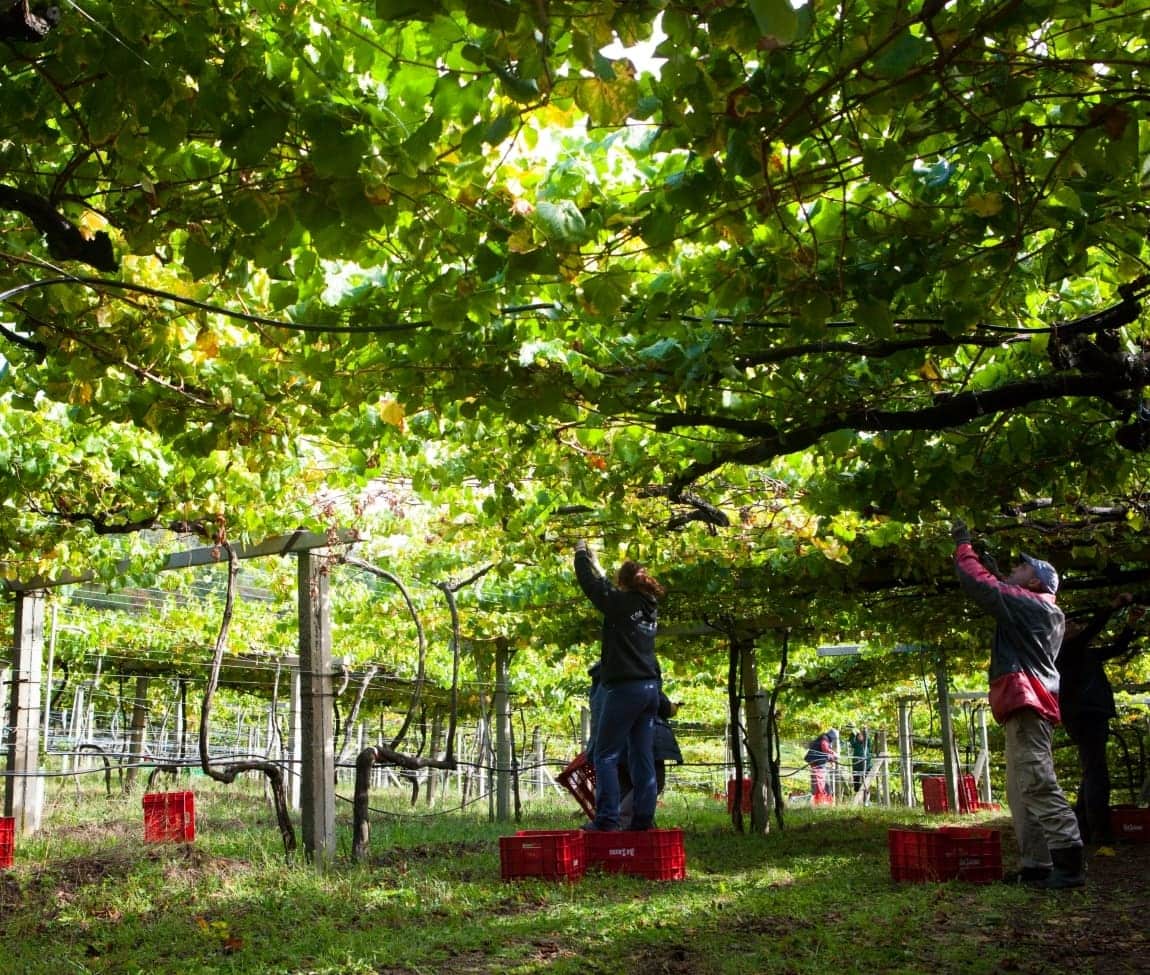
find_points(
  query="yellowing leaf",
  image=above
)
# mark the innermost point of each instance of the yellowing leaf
(207, 345)
(521, 242)
(90, 222)
(392, 414)
(984, 204)
(832, 549)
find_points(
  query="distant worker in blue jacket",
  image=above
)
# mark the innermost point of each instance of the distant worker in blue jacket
(1024, 700)
(860, 745)
(631, 682)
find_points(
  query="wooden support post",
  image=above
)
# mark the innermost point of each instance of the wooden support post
(317, 716)
(137, 733)
(503, 768)
(756, 719)
(23, 789)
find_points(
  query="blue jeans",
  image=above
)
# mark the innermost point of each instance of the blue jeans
(626, 725)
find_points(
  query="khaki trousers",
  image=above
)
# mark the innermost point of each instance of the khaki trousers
(1043, 819)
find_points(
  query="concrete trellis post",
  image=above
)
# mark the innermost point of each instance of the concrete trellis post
(71, 724)
(5, 680)
(312, 719)
(906, 752)
(295, 749)
(480, 779)
(317, 716)
(984, 756)
(949, 759)
(884, 769)
(540, 775)
(23, 789)
(436, 750)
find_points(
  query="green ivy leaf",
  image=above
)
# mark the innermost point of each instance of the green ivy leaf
(562, 221)
(777, 21)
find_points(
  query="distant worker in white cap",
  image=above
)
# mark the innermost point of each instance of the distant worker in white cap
(1024, 700)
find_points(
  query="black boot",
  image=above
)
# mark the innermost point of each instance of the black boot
(1068, 870)
(1029, 876)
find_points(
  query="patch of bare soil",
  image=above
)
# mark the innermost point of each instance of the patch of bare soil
(402, 859)
(1099, 930)
(670, 959)
(52, 886)
(1103, 929)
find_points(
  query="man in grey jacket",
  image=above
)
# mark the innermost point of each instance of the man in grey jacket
(1024, 700)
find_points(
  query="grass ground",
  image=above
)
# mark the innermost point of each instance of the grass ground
(87, 895)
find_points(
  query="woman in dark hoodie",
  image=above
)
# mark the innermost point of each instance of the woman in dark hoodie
(631, 681)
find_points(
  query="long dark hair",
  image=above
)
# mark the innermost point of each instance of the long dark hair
(633, 576)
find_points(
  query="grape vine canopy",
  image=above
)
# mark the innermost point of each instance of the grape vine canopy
(768, 307)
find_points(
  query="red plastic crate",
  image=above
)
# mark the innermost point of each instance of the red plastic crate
(7, 840)
(747, 803)
(934, 794)
(169, 816)
(558, 854)
(1130, 823)
(654, 853)
(963, 853)
(578, 778)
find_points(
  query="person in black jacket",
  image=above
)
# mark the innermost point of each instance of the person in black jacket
(1087, 705)
(631, 682)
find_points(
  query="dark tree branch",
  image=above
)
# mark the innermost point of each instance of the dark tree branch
(421, 674)
(950, 412)
(65, 242)
(38, 348)
(228, 773)
(21, 23)
(1086, 368)
(102, 523)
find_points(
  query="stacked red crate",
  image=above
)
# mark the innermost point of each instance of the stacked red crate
(557, 854)
(963, 853)
(7, 840)
(656, 854)
(934, 794)
(747, 803)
